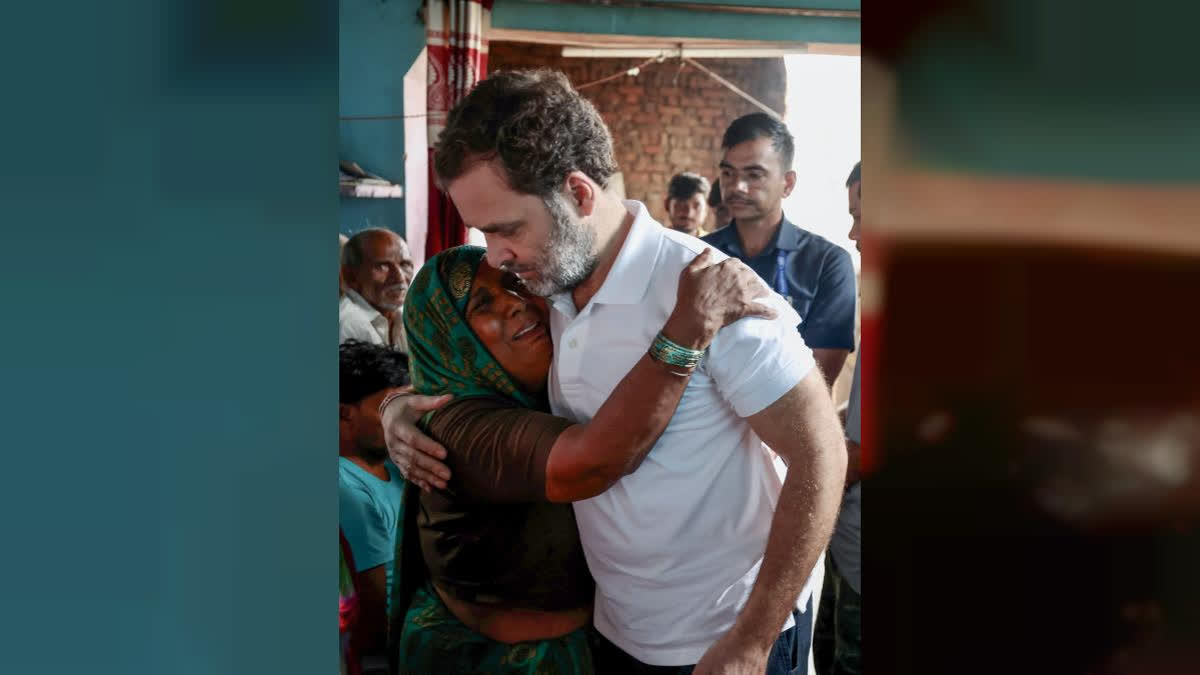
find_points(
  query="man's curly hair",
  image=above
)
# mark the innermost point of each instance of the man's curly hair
(539, 127)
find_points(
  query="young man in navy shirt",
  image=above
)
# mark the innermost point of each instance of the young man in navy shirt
(815, 275)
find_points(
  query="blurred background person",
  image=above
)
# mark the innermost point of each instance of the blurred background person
(721, 215)
(687, 206)
(837, 640)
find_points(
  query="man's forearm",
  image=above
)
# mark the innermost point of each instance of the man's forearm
(800, 530)
(803, 427)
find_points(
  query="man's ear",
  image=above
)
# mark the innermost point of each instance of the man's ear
(789, 182)
(583, 192)
(346, 413)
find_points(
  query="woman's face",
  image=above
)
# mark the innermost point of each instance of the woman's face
(512, 324)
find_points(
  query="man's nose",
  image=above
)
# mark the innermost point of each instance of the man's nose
(497, 254)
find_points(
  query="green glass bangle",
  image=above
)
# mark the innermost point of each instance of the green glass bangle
(670, 353)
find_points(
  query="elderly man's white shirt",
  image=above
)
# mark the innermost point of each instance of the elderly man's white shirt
(675, 547)
(358, 320)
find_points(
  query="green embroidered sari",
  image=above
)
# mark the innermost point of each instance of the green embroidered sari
(445, 357)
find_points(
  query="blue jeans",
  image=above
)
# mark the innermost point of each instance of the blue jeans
(789, 655)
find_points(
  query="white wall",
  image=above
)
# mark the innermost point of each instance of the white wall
(823, 114)
(416, 162)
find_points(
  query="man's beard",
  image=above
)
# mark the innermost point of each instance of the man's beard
(569, 256)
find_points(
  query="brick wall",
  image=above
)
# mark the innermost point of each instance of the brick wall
(665, 120)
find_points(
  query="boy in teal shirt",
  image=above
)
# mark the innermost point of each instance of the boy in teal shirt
(369, 485)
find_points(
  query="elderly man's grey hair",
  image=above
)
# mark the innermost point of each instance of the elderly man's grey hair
(353, 253)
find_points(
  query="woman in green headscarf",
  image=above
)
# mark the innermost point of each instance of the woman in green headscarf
(503, 586)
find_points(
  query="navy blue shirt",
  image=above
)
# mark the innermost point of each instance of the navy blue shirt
(816, 275)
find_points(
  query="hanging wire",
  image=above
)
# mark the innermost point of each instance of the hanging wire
(689, 61)
(759, 104)
(632, 72)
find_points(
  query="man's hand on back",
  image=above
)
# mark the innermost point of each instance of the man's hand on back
(416, 455)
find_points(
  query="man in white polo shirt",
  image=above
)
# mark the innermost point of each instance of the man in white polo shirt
(702, 557)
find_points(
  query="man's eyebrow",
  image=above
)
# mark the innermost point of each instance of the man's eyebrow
(491, 228)
(752, 167)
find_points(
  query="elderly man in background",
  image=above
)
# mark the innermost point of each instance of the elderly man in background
(377, 269)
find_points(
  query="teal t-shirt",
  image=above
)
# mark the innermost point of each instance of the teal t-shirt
(369, 510)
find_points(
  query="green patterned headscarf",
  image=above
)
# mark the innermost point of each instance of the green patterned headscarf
(445, 356)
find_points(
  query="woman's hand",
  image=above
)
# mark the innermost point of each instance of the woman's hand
(712, 296)
(416, 455)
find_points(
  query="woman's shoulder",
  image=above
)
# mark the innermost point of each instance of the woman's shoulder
(468, 420)
(497, 450)
(461, 410)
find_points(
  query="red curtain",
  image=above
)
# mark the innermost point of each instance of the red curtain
(457, 56)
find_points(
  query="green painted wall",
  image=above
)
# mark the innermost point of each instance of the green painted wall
(530, 15)
(378, 42)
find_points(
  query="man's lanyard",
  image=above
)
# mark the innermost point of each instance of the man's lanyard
(781, 282)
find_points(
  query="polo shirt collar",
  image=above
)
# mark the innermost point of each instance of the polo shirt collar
(631, 272)
(630, 275)
(786, 238)
(789, 236)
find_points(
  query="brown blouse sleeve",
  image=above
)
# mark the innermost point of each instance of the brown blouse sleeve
(496, 451)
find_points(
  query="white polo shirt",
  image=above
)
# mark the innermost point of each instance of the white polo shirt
(675, 546)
